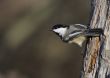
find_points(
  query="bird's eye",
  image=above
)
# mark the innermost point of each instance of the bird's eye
(57, 26)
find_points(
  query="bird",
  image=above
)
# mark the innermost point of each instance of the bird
(76, 33)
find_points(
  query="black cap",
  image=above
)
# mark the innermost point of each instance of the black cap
(59, 26)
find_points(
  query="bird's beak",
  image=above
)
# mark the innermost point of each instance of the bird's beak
(50, 30)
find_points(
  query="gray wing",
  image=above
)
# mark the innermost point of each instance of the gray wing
(80, 26)
(74, 31)
(73, 34)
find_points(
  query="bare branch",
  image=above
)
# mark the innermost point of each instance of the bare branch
(97, 57)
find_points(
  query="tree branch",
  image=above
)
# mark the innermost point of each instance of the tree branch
(97, 57)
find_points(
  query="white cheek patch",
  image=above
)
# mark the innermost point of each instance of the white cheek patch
(61, 31)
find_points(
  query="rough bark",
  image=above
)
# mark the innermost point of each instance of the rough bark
(97, 54)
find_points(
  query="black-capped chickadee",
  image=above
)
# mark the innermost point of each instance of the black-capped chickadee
(76, 33)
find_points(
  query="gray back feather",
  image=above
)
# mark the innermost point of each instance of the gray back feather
(74, 31)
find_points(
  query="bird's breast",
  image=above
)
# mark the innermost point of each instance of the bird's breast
(79, 40)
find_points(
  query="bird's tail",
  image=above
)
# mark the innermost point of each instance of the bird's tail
(93, 32)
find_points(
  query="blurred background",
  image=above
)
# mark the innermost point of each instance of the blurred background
(28, 49)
